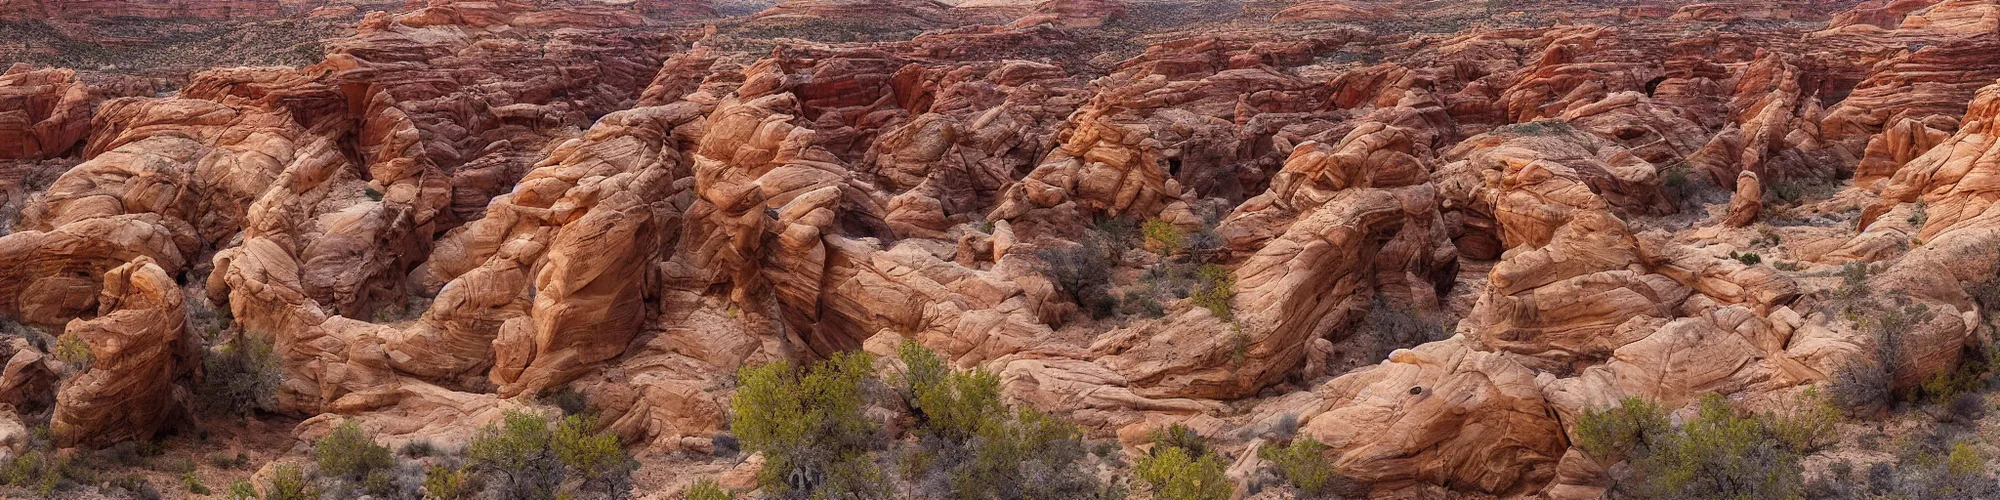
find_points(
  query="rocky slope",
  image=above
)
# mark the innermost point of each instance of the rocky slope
(1443, 231)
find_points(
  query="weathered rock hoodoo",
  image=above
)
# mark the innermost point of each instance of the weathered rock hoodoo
(466, 205)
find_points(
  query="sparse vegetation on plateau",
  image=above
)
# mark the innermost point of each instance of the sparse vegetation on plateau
(1721, 453)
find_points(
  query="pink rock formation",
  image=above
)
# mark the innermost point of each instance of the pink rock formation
(140, 353)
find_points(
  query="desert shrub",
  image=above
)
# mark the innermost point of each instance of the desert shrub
(970, 444)
(240, 376)
(1864, 388)
(1861, 388)
(1986, 294)
(517, 453)
(1141, 302)
(1082, 272)
(72, 350)
(706, 489)
(1766, 236)
(1163, 237)
(131, 453)
(226, 462)
(1216, 286)
(1118, 233)
(1720, 454)
(1172, 473)
(444, 483)
(1853, 282)
(133, 486)
(1239, 346)
(1940, 465)
(1399, 326)
(380, 483)
(1965, 408)
(1614, 432)
(1180, 436)
(1286, 427)
(242, 490)
(1807, 427)
(1023, 454)
(288, 482)
(594, 457)
(36, 471)
(1537, 128)
(1203, 247)
(809, 427)
(726, 444)
(947, 405)
(570, 400)
(1674, 182)
(1968, 377)
(193, 483)
(1302, 463)
(418, 448)
(1964, 459)
(1747, 258)
(1881, 478)
(1919, 215)
(347, 453)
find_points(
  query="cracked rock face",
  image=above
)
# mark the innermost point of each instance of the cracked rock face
(1432, 250)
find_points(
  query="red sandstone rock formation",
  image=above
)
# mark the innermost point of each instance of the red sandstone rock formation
(591, 201)
(139, 358)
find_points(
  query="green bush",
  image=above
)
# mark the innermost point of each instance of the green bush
(1217, 287)
(1537, 128)
(1163, 237)
(706, 489)
(1968, 377)
(1024, 454)
(73, 350)
(1853, 281)
(809, 427)
(517, 452)
(1965, 460)
(1083, 272)
(1614, 432)
(240, 377)
(1180, 436)
(973, 446)
(1141, 302)
(595, 457)
(288, 482)
(444, 483)
(1747, 258)
(380, 483)
(36, 471)
(1118, 233)
(1303, 464)
(1720, 455)
(948, 405)
(347, 453)
(193, 483)
(1807, 428)
(241, 489)
(1171, 473)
